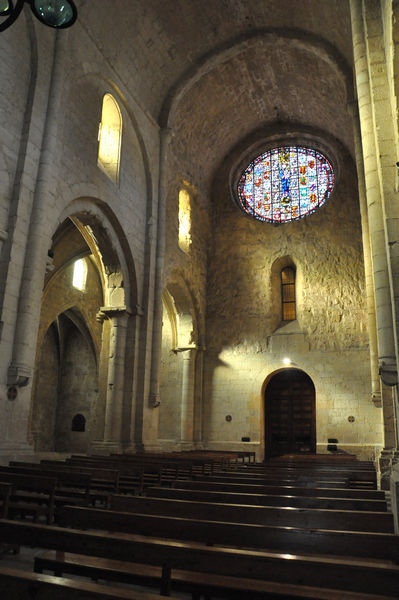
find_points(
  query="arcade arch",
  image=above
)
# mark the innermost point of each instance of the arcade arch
(81, 346)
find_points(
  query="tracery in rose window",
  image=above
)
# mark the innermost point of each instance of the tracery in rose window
(285, 184)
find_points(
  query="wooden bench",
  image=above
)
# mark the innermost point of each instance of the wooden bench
(103, 478)
(5, 494)
(274, 479)
(150, 467)
(37, 495)
(356, 576)
(132, 476)
(352, 475)
(18, 584)
(291, 540)
(72, 485)
(279, 488)
(267, 499)
(262, 515)
(191, 581)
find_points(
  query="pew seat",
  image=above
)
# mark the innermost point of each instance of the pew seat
(192, 582)
(18, 584)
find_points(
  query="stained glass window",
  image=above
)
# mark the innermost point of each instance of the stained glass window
(285, 184)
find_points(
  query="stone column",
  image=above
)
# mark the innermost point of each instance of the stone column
(384, 315)
(187, 398)
(198, 397)
(35, 249)
(115, 380)
(154, 398)
(379, 136)
(368, 265)
(390, 436)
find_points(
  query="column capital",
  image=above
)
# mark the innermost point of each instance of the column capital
(18, 375)
(185, 348)
(110, 312)
(388, 371)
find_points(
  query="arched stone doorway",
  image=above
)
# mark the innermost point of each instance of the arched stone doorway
(290, 414)
(65, 383)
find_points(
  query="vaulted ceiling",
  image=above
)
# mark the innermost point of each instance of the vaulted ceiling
(216, 71)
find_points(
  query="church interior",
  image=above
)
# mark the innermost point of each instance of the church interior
(199, 250)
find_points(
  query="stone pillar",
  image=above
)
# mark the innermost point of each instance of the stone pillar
(368, 265)
(390, 437)
(115, 380)
(384, 314)
(38, 241)
(154, 398)
(379, 138)
(187, 398)
(198, 396)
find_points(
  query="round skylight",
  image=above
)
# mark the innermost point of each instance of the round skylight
(285, 184)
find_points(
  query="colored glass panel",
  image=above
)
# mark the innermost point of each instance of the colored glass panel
(285, 184)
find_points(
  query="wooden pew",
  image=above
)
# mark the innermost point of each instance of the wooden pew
(262, 515)
(5, 494)
(382, 546)
(193, 582)
(274, 479)
(132, 476)
(38, 494)
(103, 478)
(352, 475)
(18, 584)
(279, 488)
(72, 485)
(151, 468)
(267, 499)
(359, 576)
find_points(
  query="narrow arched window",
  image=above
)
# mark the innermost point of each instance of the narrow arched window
(184, 221)
(79, 274)
(109, 138)
(288, 302)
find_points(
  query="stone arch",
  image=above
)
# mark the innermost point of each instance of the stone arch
(105, 237)
(103, 240)
(65, 383)
(268, 35)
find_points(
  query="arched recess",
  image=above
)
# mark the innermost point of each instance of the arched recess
(278, 266)
(89, 230)
(66, 383)
(289, 413)
(179, 418)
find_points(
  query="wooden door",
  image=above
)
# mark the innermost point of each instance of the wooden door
(290, 426)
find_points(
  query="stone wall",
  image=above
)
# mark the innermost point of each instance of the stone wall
(247, 342)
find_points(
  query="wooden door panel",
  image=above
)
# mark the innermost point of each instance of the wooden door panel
(290, 414)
